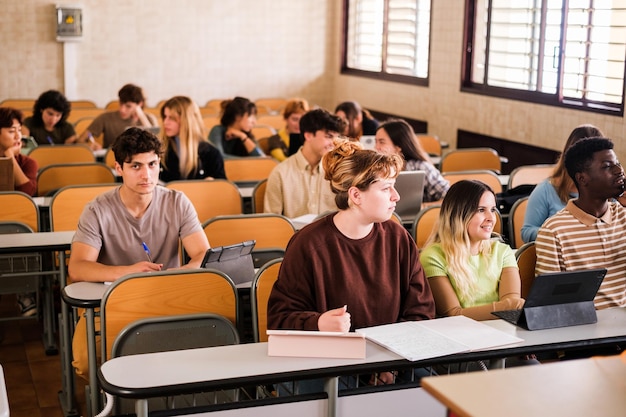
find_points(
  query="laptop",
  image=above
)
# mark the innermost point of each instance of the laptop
(368, 141)
(558, 299)
(410, 186)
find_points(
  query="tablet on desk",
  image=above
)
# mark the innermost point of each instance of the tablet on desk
(233, 260)
(558, 300)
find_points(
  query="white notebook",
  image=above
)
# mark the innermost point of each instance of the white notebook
(416, 340)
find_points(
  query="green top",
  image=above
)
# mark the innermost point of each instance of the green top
(487, 270)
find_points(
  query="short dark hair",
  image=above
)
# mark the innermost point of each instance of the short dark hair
(7, 115)
(133, 141)
(578, 157)
(130, 93)
(51, 99)
(320, 119)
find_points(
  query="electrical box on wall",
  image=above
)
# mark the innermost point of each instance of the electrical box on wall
(69, 23)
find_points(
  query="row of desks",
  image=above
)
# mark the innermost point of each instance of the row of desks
(179, 372)
(144, 376)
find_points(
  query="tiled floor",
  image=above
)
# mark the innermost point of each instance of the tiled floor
(33, 379)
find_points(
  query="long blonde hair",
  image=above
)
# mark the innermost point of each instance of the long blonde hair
(349, 165)
(191, 133)
(457, 209)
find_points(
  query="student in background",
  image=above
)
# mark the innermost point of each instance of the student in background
(297, 186)
(590, 232)
(279, 143)
(187, 152)
(113, 228)
(397, 137)
(113, 123)
(233, 136)
(469, 273)
(551, 195)
(353, 268)
(24, 168)
(24, 177)
(359, 122)
(48, 125)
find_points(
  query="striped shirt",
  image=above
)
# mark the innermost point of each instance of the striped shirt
(573, 239)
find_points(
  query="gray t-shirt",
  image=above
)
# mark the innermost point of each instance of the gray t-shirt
(106, 224)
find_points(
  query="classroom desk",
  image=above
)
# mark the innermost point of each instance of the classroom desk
(87, 295)
(584, 387)
(194, 370)
(58, 242)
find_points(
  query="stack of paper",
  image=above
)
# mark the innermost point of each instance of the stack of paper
(416, 340)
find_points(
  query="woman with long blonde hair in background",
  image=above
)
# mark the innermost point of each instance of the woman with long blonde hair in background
(187, 154)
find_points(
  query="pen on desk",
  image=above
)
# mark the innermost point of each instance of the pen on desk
(147, 250)
(92, 140)
(49, 139)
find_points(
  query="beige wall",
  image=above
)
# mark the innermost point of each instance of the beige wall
(257, 48)
(205, 49)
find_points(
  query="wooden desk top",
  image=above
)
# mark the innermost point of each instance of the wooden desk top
(584, 387)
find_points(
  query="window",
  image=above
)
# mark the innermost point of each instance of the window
(387, 39)
(561, 52)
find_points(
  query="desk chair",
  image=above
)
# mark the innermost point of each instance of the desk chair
(488, 177)
(526, 257)
(165, 293)
(162, 334)
(16, 269)
(54, 177)
(268, 229)
(109, 158)
(272, 106)
(19, 207)
(529, 174)
(215, 105)
(516, 221)
(82, 104)
(112, 105)
(210, 122)
(424, 223)
(260, 291)
(430, 143)
(467, 159)
(18, 103)
(263, 131)
(77, 114)
(82, 124)
(275, 120)
(258, 196)
(67, 204)
(249, 169)
(65, 154)
(210, 198)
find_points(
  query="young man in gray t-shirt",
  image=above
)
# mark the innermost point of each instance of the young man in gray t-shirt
(133, 228)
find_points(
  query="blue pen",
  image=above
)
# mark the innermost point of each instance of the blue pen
(147, 250)
(49, 139)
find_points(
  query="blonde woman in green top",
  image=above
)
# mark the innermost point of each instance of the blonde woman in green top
(470, 273)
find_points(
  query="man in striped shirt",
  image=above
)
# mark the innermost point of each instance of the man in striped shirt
(590, 232)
